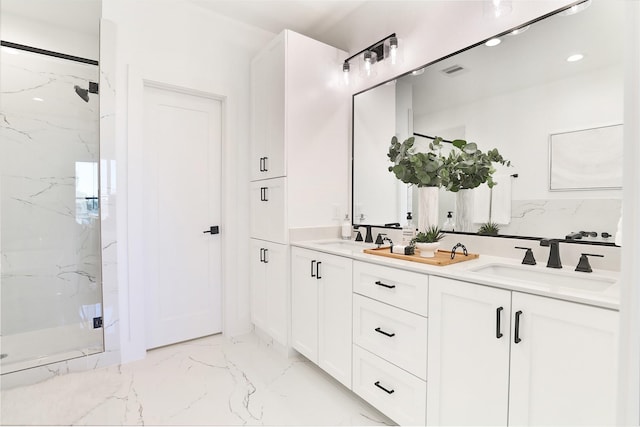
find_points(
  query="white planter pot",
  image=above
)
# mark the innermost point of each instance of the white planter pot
(427, 207)
(428, 250)
(464, 211)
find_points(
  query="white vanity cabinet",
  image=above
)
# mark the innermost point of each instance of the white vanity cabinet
(298, 150)
(321, 296)
(390, 340)
(269, 290)
(500, 357)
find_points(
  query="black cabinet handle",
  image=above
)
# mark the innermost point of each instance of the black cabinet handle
(261, 254)
(266, 256)
(498, 317)
(262, 193)
(313, 271)
(516, 335)
(261, 164)
(377, 384)
(385, 333)
(384, 285)
(318, 270)
(265, 195)
(266, 169)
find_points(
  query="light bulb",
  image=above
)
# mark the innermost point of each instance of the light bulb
(393, 50)
(367, 63)
(493, 42)
(345, 72)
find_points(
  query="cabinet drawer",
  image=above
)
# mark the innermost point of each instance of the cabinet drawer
(400, 288)
(393, 334)
(404, 400)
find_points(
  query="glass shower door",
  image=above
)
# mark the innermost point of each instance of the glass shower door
(50, 264)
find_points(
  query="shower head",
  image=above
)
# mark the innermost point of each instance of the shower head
(82, 93)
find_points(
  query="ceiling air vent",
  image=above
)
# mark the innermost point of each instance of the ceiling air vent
(454, 69)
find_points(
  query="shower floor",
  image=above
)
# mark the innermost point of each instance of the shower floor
(45, 346)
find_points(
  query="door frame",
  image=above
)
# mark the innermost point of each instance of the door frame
(131, 278)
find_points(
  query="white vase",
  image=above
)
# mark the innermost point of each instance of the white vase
(428, 250)
(427, 207)
(464, 211)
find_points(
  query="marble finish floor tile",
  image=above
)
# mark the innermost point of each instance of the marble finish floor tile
(209, 381)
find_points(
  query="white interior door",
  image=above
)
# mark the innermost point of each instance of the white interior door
(182, 263)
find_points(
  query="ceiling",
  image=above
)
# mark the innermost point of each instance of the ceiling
(76, 15)
(310, 17)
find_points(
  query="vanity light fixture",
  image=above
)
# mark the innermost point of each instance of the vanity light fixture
(575, 57)
(493, 42)
(369, 56)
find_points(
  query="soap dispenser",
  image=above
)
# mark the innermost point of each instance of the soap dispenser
(449, 223)
(408, 231)
(346, 228)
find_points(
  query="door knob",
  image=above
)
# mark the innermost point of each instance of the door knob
(214, 229)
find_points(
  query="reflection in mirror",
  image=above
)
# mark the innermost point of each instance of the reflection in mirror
(513, 96)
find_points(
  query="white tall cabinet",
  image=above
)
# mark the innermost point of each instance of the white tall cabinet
(299, 162)
(500, 357)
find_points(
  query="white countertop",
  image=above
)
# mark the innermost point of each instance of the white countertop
(608, 298)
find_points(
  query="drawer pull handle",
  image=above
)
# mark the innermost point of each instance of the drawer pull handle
(385, 333)
(313, 270)
(517, 338)
(377, 384)
(498, 328)
(384, 285)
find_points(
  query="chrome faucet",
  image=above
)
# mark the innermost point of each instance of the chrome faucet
(554, 252)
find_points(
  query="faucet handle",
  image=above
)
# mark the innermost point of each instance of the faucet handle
(359, 236)
(583, 264)
(528, 256)
(380, 239)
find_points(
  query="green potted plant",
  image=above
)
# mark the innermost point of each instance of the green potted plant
(422, 169)
(489, 229)
(428, 241)
(469, 167)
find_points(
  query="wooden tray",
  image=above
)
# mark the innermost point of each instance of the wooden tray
(442, 257)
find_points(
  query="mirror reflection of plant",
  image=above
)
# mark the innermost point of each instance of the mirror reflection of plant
(422, 169)
(489, 229)
(430, 235)
(465, 167)
(468, 167)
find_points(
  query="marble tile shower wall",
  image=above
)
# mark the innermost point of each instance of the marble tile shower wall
(559, 217)
(46, 179)
(50, 226)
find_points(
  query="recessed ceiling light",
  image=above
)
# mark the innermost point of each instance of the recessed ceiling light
(38, 99)
(417, 72)
(576, 57)
(493, 42)
(576, 8)
(519, 30)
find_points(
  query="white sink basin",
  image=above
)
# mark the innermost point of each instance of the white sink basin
(547, 277)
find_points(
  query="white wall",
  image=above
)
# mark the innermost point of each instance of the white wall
(178, 43)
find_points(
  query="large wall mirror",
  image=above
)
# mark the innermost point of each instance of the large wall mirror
(523, 96)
